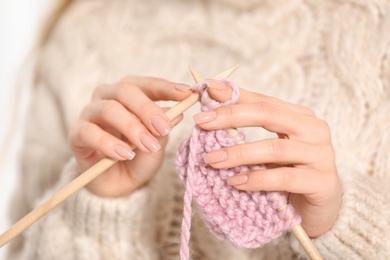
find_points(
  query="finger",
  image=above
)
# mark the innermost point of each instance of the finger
(135, 100)
(218, 90)
(268, 151)
(269, 116)
(160, 89)
(176, 120)
(222, 92)
(138, 93)
(289, 179)
(156, 89)
(89, 136)
(251, 97)
(114, 115)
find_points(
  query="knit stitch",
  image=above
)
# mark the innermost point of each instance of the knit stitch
(247, 219)
(331, 56)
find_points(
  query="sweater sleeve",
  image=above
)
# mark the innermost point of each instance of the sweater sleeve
(43, 154)
(89, 227)
(362, 230)
(84, 225)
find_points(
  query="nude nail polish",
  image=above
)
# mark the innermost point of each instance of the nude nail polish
(205, 117)
(215, 157)
(238, 179)
(150, 142)
(162, 126)
(124, 152)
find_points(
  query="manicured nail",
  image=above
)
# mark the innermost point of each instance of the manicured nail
(150, 142)
(205, 117)
(183, 88)
(215, 156)
(124, 152)
(215, 84)
(162, 126)
(238, 179)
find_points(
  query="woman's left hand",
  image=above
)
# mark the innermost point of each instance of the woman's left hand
(301, 158)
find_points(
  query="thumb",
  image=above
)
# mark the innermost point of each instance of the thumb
(218, 90)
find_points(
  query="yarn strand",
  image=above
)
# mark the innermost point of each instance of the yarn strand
(187, 212)
(246, 219)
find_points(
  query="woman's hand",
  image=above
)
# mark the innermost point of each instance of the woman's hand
(301, 159)
(118, 115)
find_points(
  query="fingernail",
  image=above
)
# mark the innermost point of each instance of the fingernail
(162, 126)
(183, 88)
(237, 179)
(215, 156)
(150, 142)
(215, 84)
(124, 152)
(205, 117)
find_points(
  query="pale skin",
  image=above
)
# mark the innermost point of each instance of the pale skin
(300, 159)
(119, 116)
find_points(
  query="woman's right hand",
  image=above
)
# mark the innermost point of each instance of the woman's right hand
(119, 116)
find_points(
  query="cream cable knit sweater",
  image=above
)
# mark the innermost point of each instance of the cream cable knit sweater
(333, 56)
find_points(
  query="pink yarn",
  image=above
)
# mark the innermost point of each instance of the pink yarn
(247, 219)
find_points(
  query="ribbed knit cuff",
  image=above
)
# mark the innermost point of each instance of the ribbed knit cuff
(362, 230)
(109, 218)
(102, 227)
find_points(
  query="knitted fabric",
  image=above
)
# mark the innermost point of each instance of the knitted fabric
(247, 219)
(331, 56)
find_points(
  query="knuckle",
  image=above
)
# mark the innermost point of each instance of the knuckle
(135, 128)
(323, 130)
(121, 88)
(85, 112)
(226, 111)
(147, 107)
(276, 148)
(255, 179)
(161, 80)
(331, 152)
(265, 109)
(328, 154)
(108, 109)
(127, 79)
(83, 131)
(105, 140)
(241, 154)
(287, 177)
(306, 110)
(97, 91)
(72, 135)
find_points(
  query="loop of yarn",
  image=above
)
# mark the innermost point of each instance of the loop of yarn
(247, 219)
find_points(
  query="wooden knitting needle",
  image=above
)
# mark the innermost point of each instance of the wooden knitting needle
(298, 231)
(90, 174)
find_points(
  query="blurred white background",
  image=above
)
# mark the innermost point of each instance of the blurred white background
(20, 21)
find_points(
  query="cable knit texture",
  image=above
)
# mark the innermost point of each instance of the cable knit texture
(332, 56)
(247, 219)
